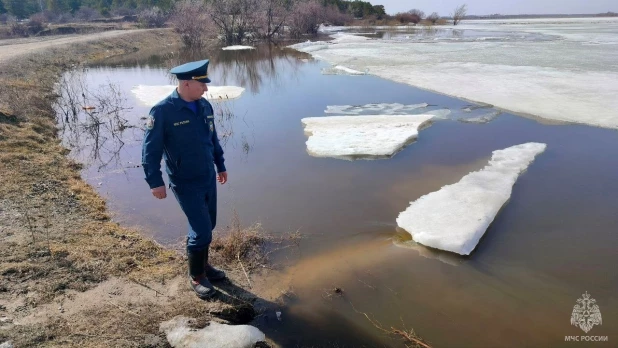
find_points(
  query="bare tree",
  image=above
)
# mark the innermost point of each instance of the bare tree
(306, 18)
(276, 13)
(235, 18)
(407, 18)
(152, 18)
(192, 22)
(417, 12)
(433, 18)
(86, 14)
(335, 17)
(459, 13)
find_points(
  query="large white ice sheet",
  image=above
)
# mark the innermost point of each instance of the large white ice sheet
(455, 217)
(151, 95)
(358, 137)
(560, 70)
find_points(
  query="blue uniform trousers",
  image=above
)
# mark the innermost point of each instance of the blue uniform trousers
(198, 200)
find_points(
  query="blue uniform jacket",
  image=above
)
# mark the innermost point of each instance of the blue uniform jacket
(186, 140)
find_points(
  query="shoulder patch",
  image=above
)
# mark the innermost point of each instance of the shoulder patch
(150, 122)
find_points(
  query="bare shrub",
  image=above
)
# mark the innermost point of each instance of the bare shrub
(306, 18)
(63, 18)
(235, 19)
(123, 11)
(405, 18)
(336, 17)
(48, 16)
(36, 23)
(276, 13)
(86, 14)
(459, 13)
(433, 18)
(250, 246)
(152, 18)
(417, 12)
(191, 20)
(16, 28)
(4, 18)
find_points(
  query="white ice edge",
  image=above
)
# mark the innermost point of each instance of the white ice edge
(237, 48)
(348, 70)
(455, 217)
(151, 95)
(348, 137)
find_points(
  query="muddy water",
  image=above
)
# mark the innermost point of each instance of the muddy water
(555, 240)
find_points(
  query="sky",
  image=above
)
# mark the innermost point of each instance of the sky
(484, 7)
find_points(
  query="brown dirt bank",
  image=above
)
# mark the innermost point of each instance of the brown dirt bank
(68, 275)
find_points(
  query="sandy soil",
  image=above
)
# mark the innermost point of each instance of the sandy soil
(11, 48)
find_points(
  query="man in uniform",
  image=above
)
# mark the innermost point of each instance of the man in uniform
(181, 129)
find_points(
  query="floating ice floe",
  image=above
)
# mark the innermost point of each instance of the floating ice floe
(484, 118)
(455, 217)
(440, 114)
(375, 109)
(151, 95)
(362, 137)
(309, 46)
(342, 70)
(237, 48)
(180, 335)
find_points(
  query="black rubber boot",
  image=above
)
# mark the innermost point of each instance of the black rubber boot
(212, 273)
(197, 278)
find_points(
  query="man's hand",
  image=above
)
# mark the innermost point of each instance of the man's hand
(222, 177)
(159, 192)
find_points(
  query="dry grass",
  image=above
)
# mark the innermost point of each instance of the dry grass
(71, 233)
(57, 242)
(250, 245)
(56, 235)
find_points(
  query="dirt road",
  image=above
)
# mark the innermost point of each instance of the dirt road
(12, 48)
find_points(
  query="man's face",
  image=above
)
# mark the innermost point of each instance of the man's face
(196, 89)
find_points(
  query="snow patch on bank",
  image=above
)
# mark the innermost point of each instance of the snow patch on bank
(151, 95)
(180, 335)
(361, 137)
(455, 217)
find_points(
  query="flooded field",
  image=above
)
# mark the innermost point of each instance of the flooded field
(554, 240)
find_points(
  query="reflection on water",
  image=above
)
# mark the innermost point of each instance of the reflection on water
(250, 69)
(91, 119)
(554, 240)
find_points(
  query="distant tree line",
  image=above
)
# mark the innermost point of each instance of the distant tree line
(357, 8)
(25, 8)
